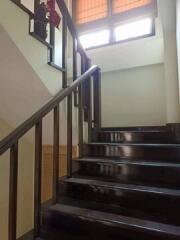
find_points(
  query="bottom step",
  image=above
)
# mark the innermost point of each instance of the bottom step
(95, 223)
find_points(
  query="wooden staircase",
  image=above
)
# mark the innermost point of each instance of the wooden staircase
(125, 183)
(126, 187)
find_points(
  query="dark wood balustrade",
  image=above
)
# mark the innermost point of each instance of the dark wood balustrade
(89, 76)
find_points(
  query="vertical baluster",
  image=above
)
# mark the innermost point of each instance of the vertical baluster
(80, 121)
(84, 67)
(37, 182)
(75, 71)
(56, 154)
(52, 42)
(86, 91)
(69, 135)
(64, 51)
(13, 191)
(36, 5)
(89, 104)
(52, 39)
(97, 99)
(80, 112)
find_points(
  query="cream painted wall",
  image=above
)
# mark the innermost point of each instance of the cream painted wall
(25, 186)
(129, 66)
(16, 25)
(29, 4)
(134, 97)
(178, 38)
(167, 12)
(178, 34)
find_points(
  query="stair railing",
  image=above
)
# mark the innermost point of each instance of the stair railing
(89, 101)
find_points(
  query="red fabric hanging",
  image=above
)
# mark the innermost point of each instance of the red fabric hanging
(54, 17)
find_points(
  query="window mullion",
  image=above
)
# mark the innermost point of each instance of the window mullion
(111, 28)
(109, 4)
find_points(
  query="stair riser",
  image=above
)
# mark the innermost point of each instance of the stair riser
(152, 153)
(135, 137)
(165, 207)
(127, 173)
(70, 227)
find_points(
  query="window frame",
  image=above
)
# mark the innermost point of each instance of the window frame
(117, 19)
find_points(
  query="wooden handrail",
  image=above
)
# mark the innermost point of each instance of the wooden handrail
(13, 137)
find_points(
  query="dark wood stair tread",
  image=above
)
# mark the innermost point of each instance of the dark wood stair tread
(132, 131)
(116, 220)
(128, 162)
(137, 128)
(130, 187)
(111, 208)
(155, 145)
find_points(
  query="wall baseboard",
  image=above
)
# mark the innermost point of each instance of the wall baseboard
(27, 236)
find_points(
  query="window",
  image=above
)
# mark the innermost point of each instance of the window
(121, 19)
(133, 30)
(95, 38)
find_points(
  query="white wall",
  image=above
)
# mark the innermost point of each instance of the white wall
(134, 97)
